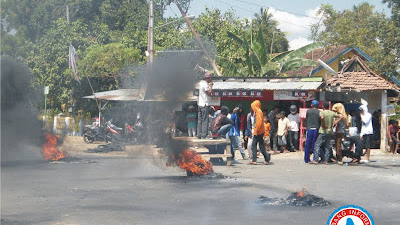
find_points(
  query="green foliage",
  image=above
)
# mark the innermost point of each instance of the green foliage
(107, 60)
(256, 45)
(258, 62)
(371, 31)
(397, 116)
(395, 6)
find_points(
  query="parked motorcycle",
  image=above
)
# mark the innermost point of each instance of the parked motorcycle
(94, 133)
(113, 136)
(135, 134)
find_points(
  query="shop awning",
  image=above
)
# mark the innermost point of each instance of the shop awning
(134, 95)
(117, 95)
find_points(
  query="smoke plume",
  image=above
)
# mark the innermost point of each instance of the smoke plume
(20, 129)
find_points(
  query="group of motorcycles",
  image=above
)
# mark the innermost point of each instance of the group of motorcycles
(115, 135)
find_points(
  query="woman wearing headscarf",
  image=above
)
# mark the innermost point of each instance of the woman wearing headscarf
(340, 124)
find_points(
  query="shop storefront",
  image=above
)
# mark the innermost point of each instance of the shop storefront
(282, 92)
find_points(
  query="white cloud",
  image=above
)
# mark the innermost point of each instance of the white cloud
(298, 43)
(296, 27)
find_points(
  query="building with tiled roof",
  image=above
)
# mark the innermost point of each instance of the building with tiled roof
(356, 81)
(357, 76)
(332, 56)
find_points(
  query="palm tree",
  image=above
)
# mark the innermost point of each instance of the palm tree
(258, 62)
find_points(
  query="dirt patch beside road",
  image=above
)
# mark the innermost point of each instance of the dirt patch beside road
(75, 146)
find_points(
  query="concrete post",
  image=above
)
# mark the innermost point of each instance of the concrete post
(384, 122)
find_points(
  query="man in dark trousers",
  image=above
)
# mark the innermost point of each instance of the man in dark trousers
(325, 133)
(203, 102)
(258, 134)
(273, 119)
(313, 123)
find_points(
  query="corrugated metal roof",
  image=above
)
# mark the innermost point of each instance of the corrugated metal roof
(117, 95)
(266, 85)
(134, 95)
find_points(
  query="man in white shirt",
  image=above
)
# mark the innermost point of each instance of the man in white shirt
(293, 134)
(203, 102)
(283, 126)
(366, 130)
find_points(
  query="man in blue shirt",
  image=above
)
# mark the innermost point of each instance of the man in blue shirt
(234, 135)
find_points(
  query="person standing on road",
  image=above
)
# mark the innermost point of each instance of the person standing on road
(294, 119)
(366, 130)
(273, 119)
(203, 102)
(242, 126)
(340, 130)
(313, 123)
(191, 120)
(283, 127)
(234, 134)
(325, 134)
(258, 134)
(393, 131)
(267, 126)
(248, 136)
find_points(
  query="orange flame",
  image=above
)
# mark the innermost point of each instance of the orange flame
(301, 193)
(50, 151)
(191, 161)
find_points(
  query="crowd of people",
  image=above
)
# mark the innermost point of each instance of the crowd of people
(276, 132)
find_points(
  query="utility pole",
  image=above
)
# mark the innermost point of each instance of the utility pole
(46, 92)
(67, 10)
(150, 43)
(150, 50)
(208, 55)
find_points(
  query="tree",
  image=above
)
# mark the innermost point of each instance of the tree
(258, 62)
(107, 60)
(108, 35)
(395, 6)
(257, 45)
(361, 26)
(274, 39)
(48, 59)
(392, 42)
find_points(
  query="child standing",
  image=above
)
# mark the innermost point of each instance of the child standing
(191, 120)
(267, 126)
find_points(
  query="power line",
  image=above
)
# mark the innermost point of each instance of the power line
(253, 12)
(172, 10)
(299, 14)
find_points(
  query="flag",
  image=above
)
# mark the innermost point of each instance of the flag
(73, 57)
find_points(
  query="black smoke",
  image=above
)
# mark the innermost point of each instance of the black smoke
(20, 127)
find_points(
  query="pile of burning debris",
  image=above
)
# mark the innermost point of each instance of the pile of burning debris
(52, 154)
(50, 150)
(295, 199)
(194, 164)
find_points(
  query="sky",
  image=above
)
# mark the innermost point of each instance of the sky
(294, 16)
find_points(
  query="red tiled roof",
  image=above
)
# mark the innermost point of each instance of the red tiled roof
(360, 80)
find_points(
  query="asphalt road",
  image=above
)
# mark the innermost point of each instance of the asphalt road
(139, 189)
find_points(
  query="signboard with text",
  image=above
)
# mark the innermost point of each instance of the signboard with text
(234, 93)
(293, 95)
